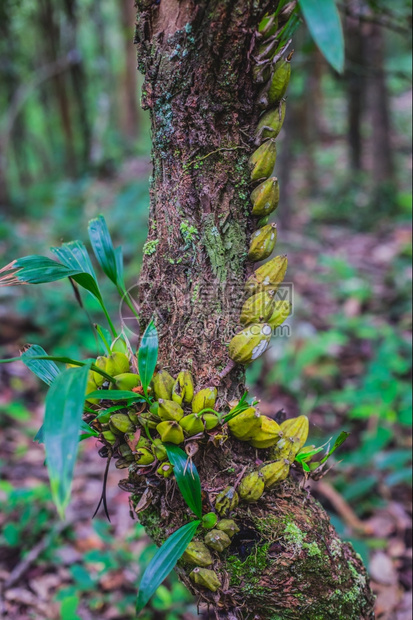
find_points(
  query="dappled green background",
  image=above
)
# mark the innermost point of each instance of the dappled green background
(79, 145)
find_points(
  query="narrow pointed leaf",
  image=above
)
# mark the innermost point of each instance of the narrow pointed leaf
(324, 23)
(148, 355)
(103, 247)
(64, 360)
(46, 370)
(105, 338)
(164, 561)
(34, 269)
(86, 431)
(63, 415)
(187, 478)
(115, 395)
(119, 267)
(338, 442)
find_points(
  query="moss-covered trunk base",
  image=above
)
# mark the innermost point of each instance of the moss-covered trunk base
(286, 562)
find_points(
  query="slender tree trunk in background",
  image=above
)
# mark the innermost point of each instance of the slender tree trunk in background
(287, 561)
(78, 80)
(312, 104)
(51, 42)
(356, 75)
(129, 103)
(379, 110)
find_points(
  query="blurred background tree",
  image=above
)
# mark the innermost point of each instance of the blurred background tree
(73, 143)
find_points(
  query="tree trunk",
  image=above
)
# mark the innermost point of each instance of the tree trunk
(129, 120)
(287, 561)
(379, 109)
(356, 75)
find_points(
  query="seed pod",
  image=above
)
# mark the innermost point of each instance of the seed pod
(257, 308)
(268, 435)
(165, 470)
(183, 388)
(169, 410)
(162, 385)
(210, 421)
(251, 487)
(245, 424)
(279, 80)
(144, 457)
(250, 343)
(204, 399)
(143, 443)
(265, 197)
(271, 122)
(218, 540)
(126, 381)
(197, 554)
(226, 501)
(124, 450)
(91, 387)
(192, 424)
(122, 463)
(119, 345)
(117, 363)
(296, 429)
(171, 432)
(100, 363)
(228, 526)
(147, 419)
(120, 424)
(206, 578)
(159, 450)
(209, 520)
(262, 161)
(282, 310)
(154, 409)
(263, 243)
(274, 473)
(267, 277)
(109, 436)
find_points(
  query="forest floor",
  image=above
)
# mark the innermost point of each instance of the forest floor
(347, 340)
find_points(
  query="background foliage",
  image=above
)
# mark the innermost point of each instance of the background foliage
(73, 144)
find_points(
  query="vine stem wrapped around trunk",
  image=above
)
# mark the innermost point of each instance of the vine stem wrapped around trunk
(196, 55)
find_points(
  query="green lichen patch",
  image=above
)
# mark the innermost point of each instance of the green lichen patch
(150, 247)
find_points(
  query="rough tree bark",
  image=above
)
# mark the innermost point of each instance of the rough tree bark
(287, 561)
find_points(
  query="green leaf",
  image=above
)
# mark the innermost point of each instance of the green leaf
(63, 414)
(115, 395)
(64, 360)
(338, 442)
(187, 478)
(40, 270)
(34, 269)
(324, 23)
(148, 355)
(46, 370)
(104, 338)
(108, 258)
(87, 431)
(164, 561)
(104, 416)
(74, 255)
